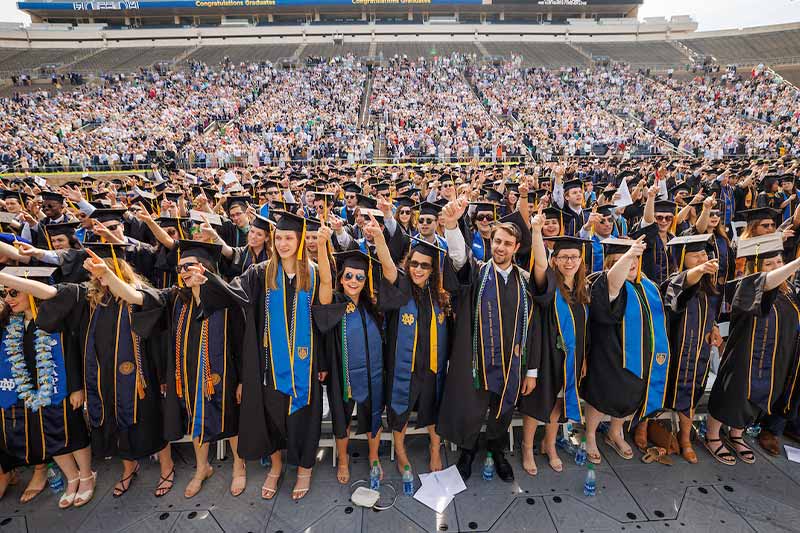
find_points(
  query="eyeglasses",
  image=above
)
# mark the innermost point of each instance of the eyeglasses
(9, 292)
(420, 266)
(568, 258)
(486, 217)
(273, 192)
(427, 220)
(359, 277)
(664, 218)
(184, 267)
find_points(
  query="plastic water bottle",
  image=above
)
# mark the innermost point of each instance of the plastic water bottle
(488, 468)
(265, 461)
(580, 455)
(408, 481)
(603, 428)
(590, 485)
(701, 429)
(561, 442)
(753, 431)
(375, 476)
(55, 479)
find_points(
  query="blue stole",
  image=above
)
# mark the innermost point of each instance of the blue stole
(760, 382)
(597, 254)
(488, 344)
(8, 388)
(206, 412)
(567, 331)
(633, 352)
(291, 353)
(478, 248)
(127, 371)
(362, 245)
(264, 210)
(405, 353)
(80, 234)
(362, 363)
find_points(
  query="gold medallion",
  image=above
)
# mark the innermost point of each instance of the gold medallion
(351, 307)
(516, 350)
(126, 368)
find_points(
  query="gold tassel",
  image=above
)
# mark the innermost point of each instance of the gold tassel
(639, 272)
(302, 242)
(683, 256)
(674, 226)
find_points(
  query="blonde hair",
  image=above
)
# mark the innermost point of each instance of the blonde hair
(302, 270)
(96, 293)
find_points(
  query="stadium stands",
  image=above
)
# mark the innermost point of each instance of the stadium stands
(416, 50)
(23, 59)
(127, 59)
(661, 53)
(331, 50)
(749, 48)
(214, 55)
(552, 55)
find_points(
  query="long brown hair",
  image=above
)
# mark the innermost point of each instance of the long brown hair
(96, 293)
(302, 270)
(753, 265)
(579, 293)
(434, 283)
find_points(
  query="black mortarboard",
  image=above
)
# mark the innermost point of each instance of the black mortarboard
(613, 245)
(108, 215)
(65, 228)
(52, 196)
(426, 248)
(565, 242)
(689, 244)
(759, 213)
(366, 201)
(204, 250)
(493, 196)
(485, 206)
(351, 187)
(290, 222)
(665, 206)
(104, 249)
(428, 208)
(20, 196)
(242, 201)
(763, 247)
(354, 259)
(262, 223)
(572, 184)
(404, 201)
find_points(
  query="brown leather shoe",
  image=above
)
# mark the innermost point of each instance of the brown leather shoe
(687, 452)
(640, 435)
(769, 442)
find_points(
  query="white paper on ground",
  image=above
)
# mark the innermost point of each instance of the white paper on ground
(450, 479)
(431, 495)
(792, 453)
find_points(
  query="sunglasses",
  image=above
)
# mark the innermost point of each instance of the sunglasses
(350, 196)
(447, 185)
(112, 227)
(427, 220)
(715, 213)
(664, 218)
(10, 292)
(420, 266)
(184, 267)
(404, 212)
(349, 276)
(486, 217)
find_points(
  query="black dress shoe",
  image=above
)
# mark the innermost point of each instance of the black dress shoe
(503, 467)
(464, 464)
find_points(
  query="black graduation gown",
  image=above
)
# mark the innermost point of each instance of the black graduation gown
(760, 358)
(232, 234)
(159, 318)
(424, 398)
(32, 437)
(71, 269)
(657, 261)
(608, 386)
(265, 425)
(144, 438)
(328, 319)
(547, 355)
(691, 315)
(463, 407)
(241, 260)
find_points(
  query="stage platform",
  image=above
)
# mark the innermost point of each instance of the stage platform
(631, 497)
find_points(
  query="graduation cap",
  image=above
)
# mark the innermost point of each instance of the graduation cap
(426, 248)
(20, 196)
(760, 213)
(404, 201)
(351, 187)
(205, 250)
(52, 196)
(493, 196)
(313, 224)
(763, 247)
(665, 206)
(172, 196)
(354, 259)
(366, 201)
(428, 208)
(242, 201)
(613, 245)
(484, 207)
(108, 215)
(262, 223)
(65, 228)
(208, 192)
(689, 244)
(681, 187)
(171, 222)
(38, 273)
(382, 187)
(565, 242)
(201, 216)
(572, 184)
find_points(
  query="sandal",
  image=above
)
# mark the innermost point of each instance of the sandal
(556, 463)
(30, 493)
(343, 473)
(162, 490)
(726, 457)
(118, 492)
(82, 498)
(196, 483)
(66, 499)
(594, 458)
(267, 493)
(656, 454)
(238, 484)
(627, 454)
(745, 455)
(298, 494)
(529, 467)
(687, 452)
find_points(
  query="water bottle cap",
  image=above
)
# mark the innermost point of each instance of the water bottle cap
(488, 454)
(407, 468)
(590, 466)
(583, 439)
(374, 463)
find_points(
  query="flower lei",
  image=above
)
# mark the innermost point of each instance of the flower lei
(45, 367)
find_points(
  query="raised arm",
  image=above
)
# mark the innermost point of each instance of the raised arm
(701, 225)
(781, 274)
(456, 246)
(99, 270)
(373, 230)
(538, 250)
(650, 205)
(323, 261)
(618, 273)
(158, 232)
(36, 289)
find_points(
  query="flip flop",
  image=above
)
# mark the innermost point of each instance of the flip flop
(627, 456)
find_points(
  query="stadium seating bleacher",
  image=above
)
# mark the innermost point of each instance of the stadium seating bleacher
(661, 53)
(551, 55)
(749, 48)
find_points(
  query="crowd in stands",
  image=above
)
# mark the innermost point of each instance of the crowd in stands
(443, 109)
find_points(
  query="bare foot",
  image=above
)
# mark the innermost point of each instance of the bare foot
(436, 459)
(343, 471)
(35, 486)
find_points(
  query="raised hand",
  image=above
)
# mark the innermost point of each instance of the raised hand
(373, 230)
(537, 223)
(95, 265)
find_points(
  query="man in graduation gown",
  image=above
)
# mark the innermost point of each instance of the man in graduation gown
(570, 201)
(488, 358)
(658, 227)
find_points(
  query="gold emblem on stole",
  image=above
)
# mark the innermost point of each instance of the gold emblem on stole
(407, 319)
(302, 353)
(661, 358)
(351, 307)
(516, 350)
(440, 318)
(126, 368)
(215, 379)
